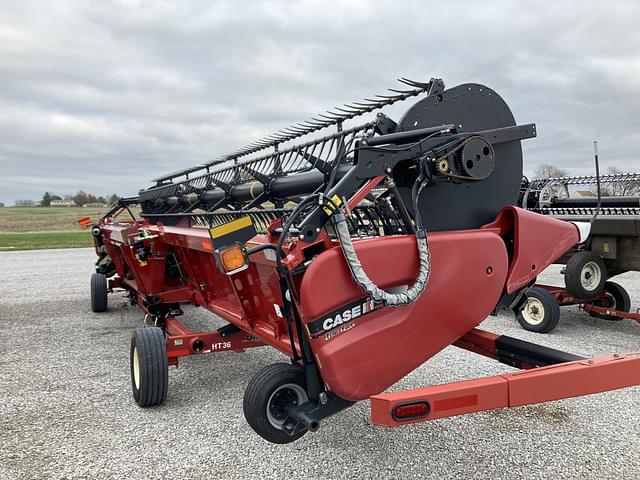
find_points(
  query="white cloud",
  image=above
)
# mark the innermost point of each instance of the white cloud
(103, 96)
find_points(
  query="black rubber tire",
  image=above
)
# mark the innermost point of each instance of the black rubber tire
(538, 302)
(574, 273)
(616, 298)
(150, 387)
(98, 292)
(258, 393)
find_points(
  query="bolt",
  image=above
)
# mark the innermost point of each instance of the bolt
(322, 396)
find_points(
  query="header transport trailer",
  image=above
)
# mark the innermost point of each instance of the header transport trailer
(359, 252)
(612, 248)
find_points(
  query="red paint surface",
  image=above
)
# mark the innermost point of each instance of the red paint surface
(387, 344)
(564, 380)
(470, 270)
(539, 240)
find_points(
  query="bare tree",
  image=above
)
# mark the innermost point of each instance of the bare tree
(626, 188)
(546, 170)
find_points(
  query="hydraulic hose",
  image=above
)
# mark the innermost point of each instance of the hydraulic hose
(359, 275)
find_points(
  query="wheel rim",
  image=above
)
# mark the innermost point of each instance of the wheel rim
(282, 397)
(609, 301)
(590, 276)
(136, 368)
(533, 311)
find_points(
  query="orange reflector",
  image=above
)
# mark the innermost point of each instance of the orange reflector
(410, 411)
(84, 222)
(232, 258)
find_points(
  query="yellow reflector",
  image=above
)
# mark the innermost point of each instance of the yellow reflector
(232, 258)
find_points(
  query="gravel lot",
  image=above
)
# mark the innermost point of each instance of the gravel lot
(66, 409)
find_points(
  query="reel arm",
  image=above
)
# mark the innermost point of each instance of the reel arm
(380, 160)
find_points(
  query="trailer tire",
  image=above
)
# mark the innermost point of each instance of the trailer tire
(616, 298)
(266, 397)
(539, 312)
(98, 292)
(585, 275)
(149, 366)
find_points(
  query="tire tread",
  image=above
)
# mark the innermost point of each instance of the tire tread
(154, 375)
(98, 292)
(257, 394)
(551, 309)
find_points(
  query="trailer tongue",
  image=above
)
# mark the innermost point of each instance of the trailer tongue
(359, 253)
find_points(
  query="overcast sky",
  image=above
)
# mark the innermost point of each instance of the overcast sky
(103, 96)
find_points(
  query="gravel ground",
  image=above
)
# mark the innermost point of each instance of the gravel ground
(66, 409)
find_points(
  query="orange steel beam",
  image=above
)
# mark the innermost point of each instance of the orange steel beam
(553, 382)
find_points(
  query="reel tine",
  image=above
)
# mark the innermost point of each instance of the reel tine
(414, 83)
(406, 81)
(387, 97)
(356, 108)
(325, 123)
(338, 116)
(313, 124)
(306, 127)
(367, 105)
(279, 135)
(283, 134)
(296, 129)
(331, 117)
(348, 112)
(402, 93)
(332, 120)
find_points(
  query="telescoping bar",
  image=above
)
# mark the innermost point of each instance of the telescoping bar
(557, 380)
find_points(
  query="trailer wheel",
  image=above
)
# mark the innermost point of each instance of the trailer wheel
(585, 275)
(539, 312)
(98, 292)
(616, 298)
(149, 367)
(271, 390)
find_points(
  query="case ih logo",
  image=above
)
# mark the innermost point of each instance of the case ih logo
(341, 316)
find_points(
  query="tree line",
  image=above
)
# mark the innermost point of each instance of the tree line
(544, 170)
(628, 188)
(79, 199)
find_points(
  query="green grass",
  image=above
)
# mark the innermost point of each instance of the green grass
(43, 219)
(29, 228)
(38, 240)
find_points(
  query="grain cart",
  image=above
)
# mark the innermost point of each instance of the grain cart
(357, 249)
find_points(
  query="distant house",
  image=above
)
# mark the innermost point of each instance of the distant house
(63, 203)
(582, 193)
